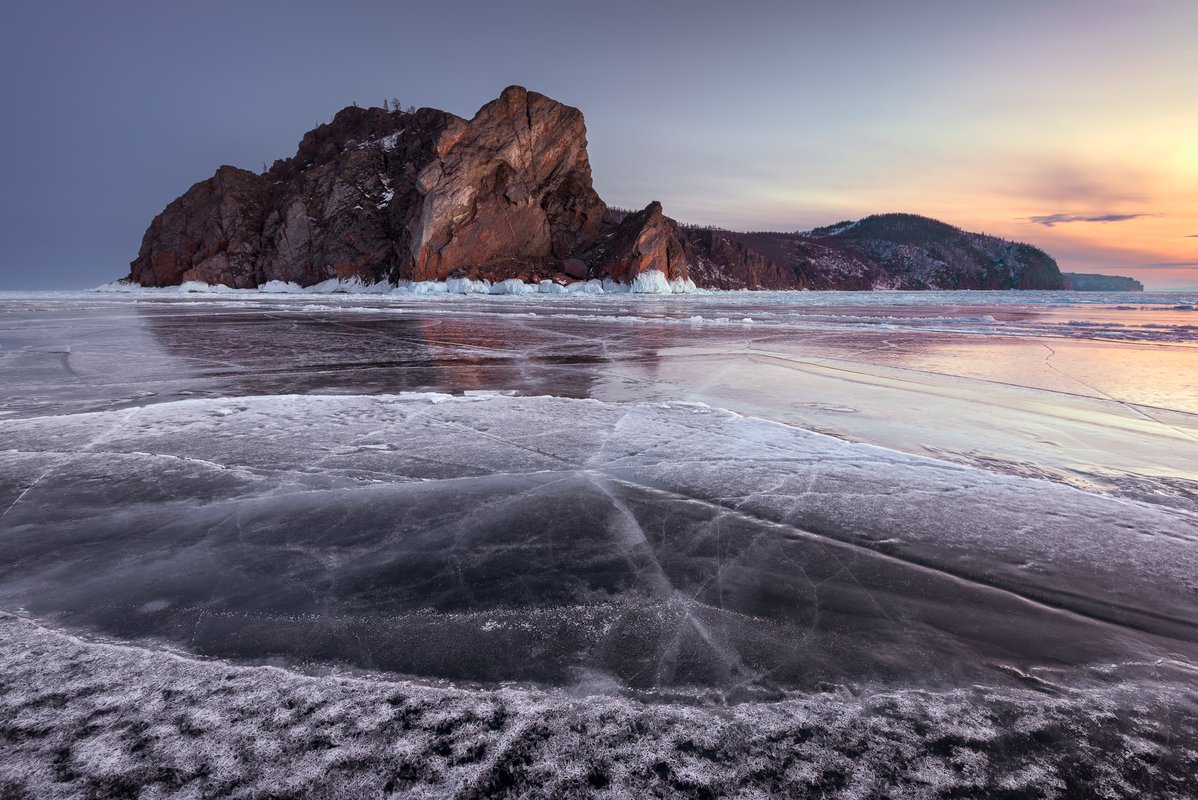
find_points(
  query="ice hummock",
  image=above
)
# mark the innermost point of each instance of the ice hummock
(648, 282)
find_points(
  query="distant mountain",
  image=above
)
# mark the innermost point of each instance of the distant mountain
(388, 195)
(1090, 282)
(885, 251)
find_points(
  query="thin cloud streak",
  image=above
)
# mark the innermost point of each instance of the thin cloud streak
(1163, 265)
(1048, 220)
(1081, 181)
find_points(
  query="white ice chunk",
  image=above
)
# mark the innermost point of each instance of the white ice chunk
(611, 286)
(683, 286)
(512, 286)
(593, 286)
(467, 286)
(122, 286)
(651, 281)
(281, 287)
(349, 286)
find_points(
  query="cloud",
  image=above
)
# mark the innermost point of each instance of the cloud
(1080, 184)
(1191, 236)
(1186, 265)
(1048, 220)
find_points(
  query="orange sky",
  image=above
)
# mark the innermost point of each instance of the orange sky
(1070, 125)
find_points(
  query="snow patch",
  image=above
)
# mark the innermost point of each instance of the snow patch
(389, 141)
(82, 717)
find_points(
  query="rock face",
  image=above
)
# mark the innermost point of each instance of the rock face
(209, 234)
(1092, 282)
(385, 195)
(514, 183)
(722, 260)
(644, 241)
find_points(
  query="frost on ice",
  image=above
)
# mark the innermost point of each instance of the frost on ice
(632, 598)
(545, 540)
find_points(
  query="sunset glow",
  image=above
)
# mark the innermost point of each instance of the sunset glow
(1072, 127)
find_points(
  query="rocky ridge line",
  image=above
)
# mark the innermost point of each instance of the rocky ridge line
(387, 195)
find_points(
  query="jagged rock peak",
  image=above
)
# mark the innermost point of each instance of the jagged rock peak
(512, 183)
(644, 241)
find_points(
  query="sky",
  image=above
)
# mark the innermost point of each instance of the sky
(1071, 125)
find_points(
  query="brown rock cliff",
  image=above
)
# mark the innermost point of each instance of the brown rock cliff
(646, 240)
(384, 195)
(210, 234)
(512, 183)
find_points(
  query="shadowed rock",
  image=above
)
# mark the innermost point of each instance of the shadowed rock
(646, 240)
(1091, 282)
(209, 234)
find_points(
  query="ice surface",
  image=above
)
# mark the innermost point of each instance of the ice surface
(611, 520)
(659, 544)
(96, 720)
(1035, 396)
(1165, 317)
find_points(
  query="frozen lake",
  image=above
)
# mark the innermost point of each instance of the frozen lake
(767, 501)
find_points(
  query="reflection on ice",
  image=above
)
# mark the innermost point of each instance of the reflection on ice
(553, 540)
(1033, 396)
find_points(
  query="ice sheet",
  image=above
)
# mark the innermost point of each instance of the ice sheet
(1114, 416)
(658, 544)
(88, 719)
(636, 595)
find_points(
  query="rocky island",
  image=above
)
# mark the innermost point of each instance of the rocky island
(424, 195)
(1091, 282)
